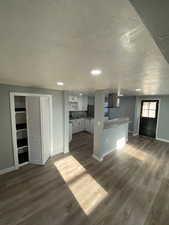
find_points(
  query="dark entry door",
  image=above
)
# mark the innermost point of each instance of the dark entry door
(148, 118)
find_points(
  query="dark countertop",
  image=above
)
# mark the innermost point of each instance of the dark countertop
(117, 121)
(89, 118)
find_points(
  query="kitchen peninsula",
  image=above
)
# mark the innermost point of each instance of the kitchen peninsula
(112, 136)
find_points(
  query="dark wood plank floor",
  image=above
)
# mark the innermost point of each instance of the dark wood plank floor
(130, 187)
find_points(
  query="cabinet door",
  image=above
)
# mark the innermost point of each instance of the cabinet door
(73, 127)
(81, 124)
(45, 128)
(87, 125)
(73, 98)
(85, 103)
(77, 127)
(92, 125)
(80, 104)
(34, 130)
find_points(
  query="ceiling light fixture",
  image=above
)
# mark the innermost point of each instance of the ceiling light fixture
(96, 72)
(81, 94)
(60, 83)
(138, 89)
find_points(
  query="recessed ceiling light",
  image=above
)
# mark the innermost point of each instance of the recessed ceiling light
(96, 72)
(138, 89)
(81, 94)
(60, 83)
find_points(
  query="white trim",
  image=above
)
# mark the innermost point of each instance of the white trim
(107, 153)
(29, 94)
(26, 105)
(158, 116)
(23, 164)
(13, 122)
(14, 136)
(149, 99)
(162, 139)
(7, 170)
(97, 158)
(51, 123)
(66, 121)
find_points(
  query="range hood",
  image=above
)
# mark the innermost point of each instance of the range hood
(113, 100)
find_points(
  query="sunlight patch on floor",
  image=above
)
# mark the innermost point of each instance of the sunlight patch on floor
(85, 188)
(136, 153)
(120, 143)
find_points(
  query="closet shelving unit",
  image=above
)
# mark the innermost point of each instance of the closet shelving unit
(32, 130)
(21, 129)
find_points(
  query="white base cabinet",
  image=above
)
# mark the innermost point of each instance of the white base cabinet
(85, 124)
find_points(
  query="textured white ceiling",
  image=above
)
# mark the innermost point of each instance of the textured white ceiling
(45, 41)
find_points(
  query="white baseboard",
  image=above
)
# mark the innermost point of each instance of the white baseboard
(162, 139)
(7, 170)
(97, 158)
(23, 164)
(107, 153)
(59, 151)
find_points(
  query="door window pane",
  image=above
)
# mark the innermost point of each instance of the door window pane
(146, 105)
(153, 105)
(152, 114)
(149, 109)
(145, 113)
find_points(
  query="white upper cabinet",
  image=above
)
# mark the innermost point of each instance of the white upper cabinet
(73, 98)
(84, 103)
(78, 103)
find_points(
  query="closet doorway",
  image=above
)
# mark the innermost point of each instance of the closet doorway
(31, 116)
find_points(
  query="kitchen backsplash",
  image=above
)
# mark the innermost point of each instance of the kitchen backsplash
(77, 114)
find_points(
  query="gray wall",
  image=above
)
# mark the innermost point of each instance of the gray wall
(163, 118)
(111, 137)
(91, 100)
(6, 148)
(126, 109)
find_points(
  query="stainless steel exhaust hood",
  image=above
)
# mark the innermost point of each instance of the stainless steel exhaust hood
(113, 100)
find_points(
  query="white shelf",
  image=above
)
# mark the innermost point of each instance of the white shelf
(24, 129)
(19, 112)
(25, 146)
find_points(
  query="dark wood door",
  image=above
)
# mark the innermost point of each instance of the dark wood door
(148, 118)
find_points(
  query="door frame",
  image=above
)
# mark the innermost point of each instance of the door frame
(158, 113)
(13, 123)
